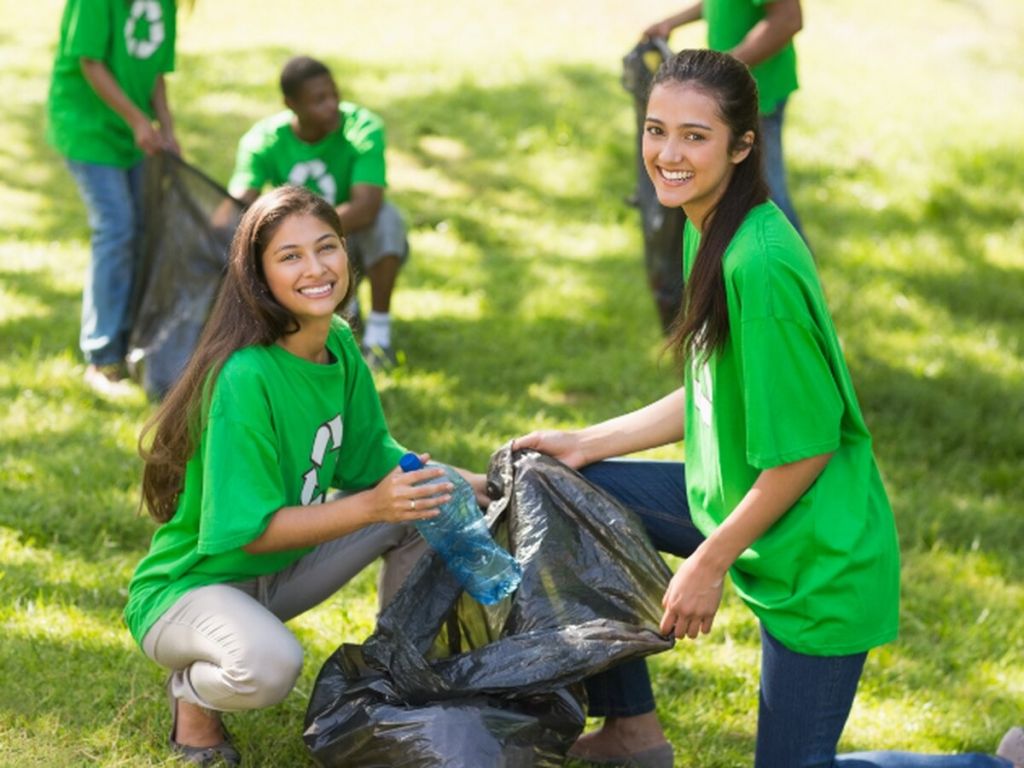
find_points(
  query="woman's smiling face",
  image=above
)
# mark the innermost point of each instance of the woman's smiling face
(306, 267)
(688, 149)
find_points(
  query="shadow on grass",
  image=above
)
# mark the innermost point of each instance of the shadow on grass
(43, 333)
(116, 712)
(948, 441)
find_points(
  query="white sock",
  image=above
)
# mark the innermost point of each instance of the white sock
(378, 330)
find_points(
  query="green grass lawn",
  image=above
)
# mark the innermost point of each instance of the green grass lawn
(525, 306)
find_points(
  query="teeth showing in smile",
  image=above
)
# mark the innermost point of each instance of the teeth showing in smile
(676, 175)
(316, 291)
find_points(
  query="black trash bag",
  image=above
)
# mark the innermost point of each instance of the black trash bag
(445, 682)
(663, 227)
(189, 221)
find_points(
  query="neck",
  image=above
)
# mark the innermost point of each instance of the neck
(309, 342)
(306, 133)
(698, 216)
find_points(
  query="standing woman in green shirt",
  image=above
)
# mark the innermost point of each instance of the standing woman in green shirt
(781, 489)
(107, 109)
(275, 407)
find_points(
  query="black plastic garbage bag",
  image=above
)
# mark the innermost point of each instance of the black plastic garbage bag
(445, 682)
(663, 227)
(189, 221)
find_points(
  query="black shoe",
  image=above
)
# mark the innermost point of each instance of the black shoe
(222, 753)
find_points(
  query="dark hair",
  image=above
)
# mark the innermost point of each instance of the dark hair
(297, 71)
(244, 314)
(702, 325)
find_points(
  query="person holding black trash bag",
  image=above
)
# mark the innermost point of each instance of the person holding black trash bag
(781, 489)
(107, 109)
(275, 407)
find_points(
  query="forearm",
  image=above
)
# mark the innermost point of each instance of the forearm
(664, 27)
(687, 15)
(659, 423)
(307, 526)
(772, 495)
(400, 497)
(352, 218)
(356, 215)
(362, 207)
(783, 19)
(161, 108)
(107, 88)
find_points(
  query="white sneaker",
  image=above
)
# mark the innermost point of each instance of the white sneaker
(109, 381)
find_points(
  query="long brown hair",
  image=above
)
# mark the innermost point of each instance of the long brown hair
(702, 325)
(245, 313)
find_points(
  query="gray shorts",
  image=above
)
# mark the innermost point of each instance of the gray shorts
(385, 238)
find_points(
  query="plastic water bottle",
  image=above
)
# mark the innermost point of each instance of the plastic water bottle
(459, 534)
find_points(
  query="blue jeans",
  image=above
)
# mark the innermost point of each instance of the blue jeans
(775, 165)
(656, 491)
(804, 700)
(113, 200)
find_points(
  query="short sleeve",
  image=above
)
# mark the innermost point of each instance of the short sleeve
(250, 166)
(242, 485)
(368, 139)
(171, 24)
(794, 407)
(89, 30)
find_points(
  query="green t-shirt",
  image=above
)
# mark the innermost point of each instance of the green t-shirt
(136, 42)
(728, 22)
(271, 154)
(824, 579)
(280, 431)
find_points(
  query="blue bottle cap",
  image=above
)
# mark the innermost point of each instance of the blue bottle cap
(410, 462)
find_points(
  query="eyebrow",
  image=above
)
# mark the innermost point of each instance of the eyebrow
(650, 119)
(324, 236)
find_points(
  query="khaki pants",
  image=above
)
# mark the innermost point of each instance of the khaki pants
(226, 644)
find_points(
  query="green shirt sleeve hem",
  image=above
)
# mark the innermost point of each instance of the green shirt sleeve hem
(771, 460)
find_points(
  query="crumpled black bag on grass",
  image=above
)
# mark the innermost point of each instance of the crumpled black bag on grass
(445, 682)
(189, 220)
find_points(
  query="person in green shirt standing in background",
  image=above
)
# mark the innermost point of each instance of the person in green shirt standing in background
(780, 489)
(335, 148)
(760, 34)
(107, 109)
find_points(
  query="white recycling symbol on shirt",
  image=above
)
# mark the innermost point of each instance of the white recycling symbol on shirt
(327, 438)
(316, 171)
(152, 13)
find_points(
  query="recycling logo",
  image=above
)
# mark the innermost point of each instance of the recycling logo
(144, 30)
(313, 174)
(328, 438)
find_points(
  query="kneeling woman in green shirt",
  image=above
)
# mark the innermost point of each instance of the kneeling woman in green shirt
(275, 407)
(781, 489)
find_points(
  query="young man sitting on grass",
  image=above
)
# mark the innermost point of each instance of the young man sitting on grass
(336, 149)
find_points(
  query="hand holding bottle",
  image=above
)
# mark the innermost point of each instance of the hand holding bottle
(460, 535)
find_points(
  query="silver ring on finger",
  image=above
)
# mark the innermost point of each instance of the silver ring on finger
(412, 504)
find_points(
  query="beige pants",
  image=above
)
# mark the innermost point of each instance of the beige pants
(226, 644)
